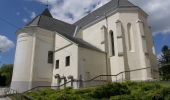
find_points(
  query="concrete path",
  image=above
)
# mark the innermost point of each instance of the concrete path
(6, 98)
(2, 93)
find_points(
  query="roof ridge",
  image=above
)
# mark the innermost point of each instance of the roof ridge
(108, 7)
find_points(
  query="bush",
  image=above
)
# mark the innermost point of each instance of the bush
(124, 97)
(6, 75)
(110, 90)
(68, 97)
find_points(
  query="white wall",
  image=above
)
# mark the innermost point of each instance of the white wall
(31, 68)
(91, 64)
(21, 79)
(72, 51)
(96, 32)
(42, 70)
(138, 58)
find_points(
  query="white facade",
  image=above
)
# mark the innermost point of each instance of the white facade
(120, 43)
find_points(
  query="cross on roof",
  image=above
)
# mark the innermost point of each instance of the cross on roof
(47, 5)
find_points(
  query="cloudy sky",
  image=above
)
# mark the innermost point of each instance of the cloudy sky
(17, 13)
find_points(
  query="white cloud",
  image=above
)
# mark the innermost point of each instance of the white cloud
(25, 20)
(159, 14)
(5, 43)
(33, 15)
(63, 9)
(159, 56)
(158, 10)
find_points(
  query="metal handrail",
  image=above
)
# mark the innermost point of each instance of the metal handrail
(86, 80)
(47, 86)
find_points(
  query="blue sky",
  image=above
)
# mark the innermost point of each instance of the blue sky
(15, 14)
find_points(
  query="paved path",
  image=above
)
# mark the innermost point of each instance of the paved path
(2, 93)
(6, 98)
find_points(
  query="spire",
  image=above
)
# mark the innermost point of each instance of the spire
(46, 12)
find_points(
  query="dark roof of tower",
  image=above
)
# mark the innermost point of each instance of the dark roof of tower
(109, 7)
(46, 21)
(46, 12)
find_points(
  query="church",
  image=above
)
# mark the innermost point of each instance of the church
(114, 41)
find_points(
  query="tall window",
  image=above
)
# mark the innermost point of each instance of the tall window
(50, 57)
(57, 64)
(130, 36)
(112, 43)
(68, 61)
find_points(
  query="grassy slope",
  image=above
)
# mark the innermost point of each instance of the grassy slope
(115, 91)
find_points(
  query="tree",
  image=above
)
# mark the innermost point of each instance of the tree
(165, 63)
(6, 74)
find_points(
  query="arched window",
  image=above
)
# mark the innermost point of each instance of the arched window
(130, 37)
(112, 43)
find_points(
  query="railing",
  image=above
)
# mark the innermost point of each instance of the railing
(99, 80)
(39, 87)
(7, 91)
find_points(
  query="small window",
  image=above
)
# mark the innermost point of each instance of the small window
(50, 57)
(68, 61)
(112, 43)
(57, 64)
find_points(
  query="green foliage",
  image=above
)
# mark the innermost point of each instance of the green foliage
(109, 90)
(6, 75)
(124, 97)
(165, 63)
(115, 91)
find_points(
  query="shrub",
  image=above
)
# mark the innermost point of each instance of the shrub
(110, 90)
(124, 97)
(68, 97)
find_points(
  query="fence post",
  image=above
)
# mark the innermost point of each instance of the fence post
(122, 77)
(72, 79)
(116, 79)
(81, 82)
(65, 81)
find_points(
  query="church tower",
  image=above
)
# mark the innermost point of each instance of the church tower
(34, 56)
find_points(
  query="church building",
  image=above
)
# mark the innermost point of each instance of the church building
(114, 41)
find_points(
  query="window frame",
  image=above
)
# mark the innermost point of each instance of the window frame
(112, 43)
(50, 57)
(67, 61)
(57, 64)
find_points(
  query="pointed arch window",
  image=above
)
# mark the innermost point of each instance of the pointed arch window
(112, 43)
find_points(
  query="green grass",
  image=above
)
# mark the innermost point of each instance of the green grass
(114, 91)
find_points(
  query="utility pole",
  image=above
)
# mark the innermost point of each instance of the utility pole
(0, 57)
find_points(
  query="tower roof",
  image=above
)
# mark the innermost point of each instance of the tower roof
(46, 21)
(46, 12)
